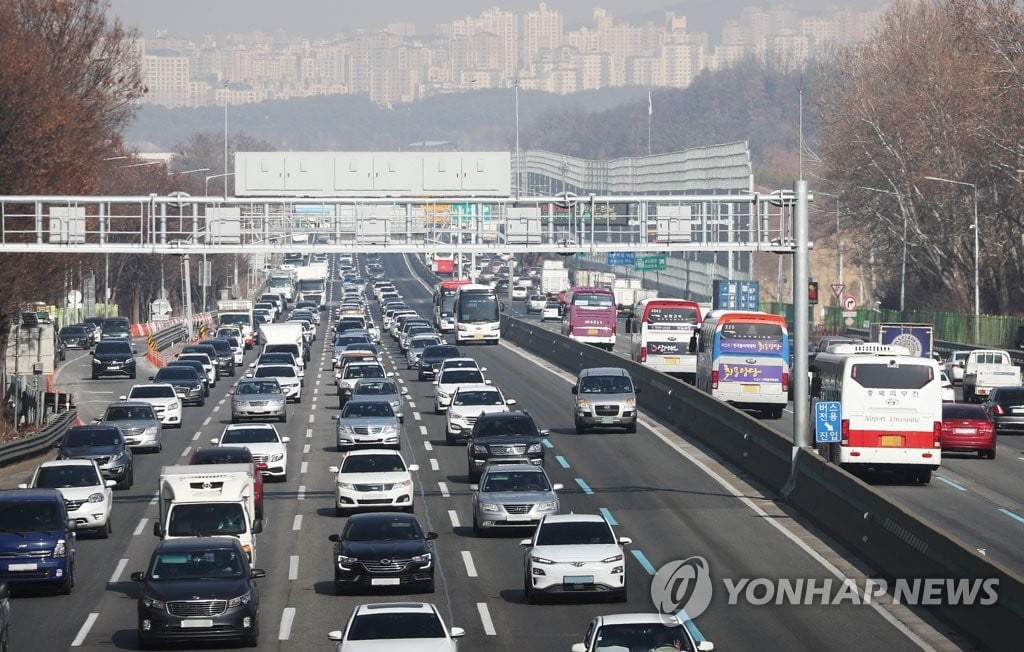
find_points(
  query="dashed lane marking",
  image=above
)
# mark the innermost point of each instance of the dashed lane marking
(115, 577)
(485, 618)
(297, 523)
(434, 465)
(293, 567)
(443, 487)
(140, 528)
(453, 515)
(86, 626)
(287, 618)
(467, 559)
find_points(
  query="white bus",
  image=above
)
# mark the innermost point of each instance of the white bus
(660, 334)
(890, 404)
(477, 315)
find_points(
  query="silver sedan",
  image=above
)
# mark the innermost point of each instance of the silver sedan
(512, 495)
(259, 398)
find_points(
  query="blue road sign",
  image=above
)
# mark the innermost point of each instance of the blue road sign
(826, 422)
(620, 258)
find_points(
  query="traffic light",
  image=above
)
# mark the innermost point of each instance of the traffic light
(812, 293)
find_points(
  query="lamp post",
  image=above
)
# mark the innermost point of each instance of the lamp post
(839, 254)
(903, 265)
(518, 177)
(189, 171)
(225, 175)
(977, 285)
(216, 176)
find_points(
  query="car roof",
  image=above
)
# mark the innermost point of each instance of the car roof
(372, 451)
(604, 371)
(250, 426)
(220, 451)
(476, 387)
(574, 518)
(99, 427)
(382, 516)
(509, 468)
(49, 463)
(390, 607)
(139, 404)
(669, 620)
(198, 543)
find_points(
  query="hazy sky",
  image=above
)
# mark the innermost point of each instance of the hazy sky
(315, 18)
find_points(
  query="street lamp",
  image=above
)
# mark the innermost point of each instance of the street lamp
(225, 175)
(217, 176)
(189, 171)
(518, 171)
(977, 290)
(903, 266)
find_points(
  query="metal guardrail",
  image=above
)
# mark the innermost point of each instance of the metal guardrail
(39, 442)
(164, 339)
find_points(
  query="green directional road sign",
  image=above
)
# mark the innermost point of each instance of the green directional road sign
(650, 263)
(467, 212)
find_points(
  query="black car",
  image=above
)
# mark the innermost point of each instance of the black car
(76, 336)
(188, 384)
(350, 323)
(113, 357)
(104, 443)
(200, 369)
(225, 356)
(381, 550)
(433, 356)
(225, 365)
(198, 589)
(503, 438)
(1005, 408)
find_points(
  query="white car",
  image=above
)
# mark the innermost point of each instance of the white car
(948, 392)
(536, 303)
(449, 379)
(467, 403)
(550, 311)
(574, 553)
(519, 293)
(208, 366)
(347, 376)
(89, 498)
(644, 631)
(374, 477)
(162, 397)
(954, 365)
(236, 340)
(263, 441)
(285, 374)
(405, 626)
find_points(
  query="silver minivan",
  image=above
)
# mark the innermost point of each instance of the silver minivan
(605, 398)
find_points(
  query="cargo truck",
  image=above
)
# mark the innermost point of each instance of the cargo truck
(238, 313)
(312, 282)
(986, 369)
(554, 280)
(281, 283)
(289, 334)
(209, 500)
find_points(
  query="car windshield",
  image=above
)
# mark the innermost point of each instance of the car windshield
(262, 387)
(372, 627)
(382, 529)
(1009, 396)
(963, 411)
(250, 436)
(223, 455)
(175, 373)
(345, 340)
(109, 347)
(28, 515)
(440, 351)
(196, 565)
(606, 385)
(152, 392)
(502, 481)
(459, 376)
(277, 358)
(372, 464)
(201, 358)
(642, 636)
(505, 426)
(367, 409)
(92, 437)
(422, 342)
(572, 533)
(60, 477)
(478, 398)
(126, 413)
(73, 330)
(375, 388)
(276, 371)
(364, 371)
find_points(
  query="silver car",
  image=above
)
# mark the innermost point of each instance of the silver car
(382, 389)
(259, 398)
(512, 495)
(368, 424)
(605, 398)
(415, 349)
(138, 422)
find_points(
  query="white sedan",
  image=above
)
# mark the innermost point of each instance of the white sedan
(646, 631)
(467, 403)
(406, 626)
(162, 397)
(375, 478)
(263, 441)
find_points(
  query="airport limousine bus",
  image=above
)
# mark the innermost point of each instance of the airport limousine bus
(743, 359)
(476, 315)
(590, 316)
(890, 408)
(444, 304)
(661, 332)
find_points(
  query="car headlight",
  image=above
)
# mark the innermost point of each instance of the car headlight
(612, 559)
(129, 360)
(388, 430)
(463, 327)
(548, 506)
(631, 402)
(240, 600)
(347, 486)
(540, 560)
(424, 558)
(534, 448)
(403, 483)
(345, 430)
(150, 431)
(153, 603)
(583, 404)
(489, 507)
(442, 394)
(61, 549)
(277, 457)
(96, 361)
(479, 449)
(96, 498)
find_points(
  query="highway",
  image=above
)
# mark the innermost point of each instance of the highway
(671, 498)
(978, 501)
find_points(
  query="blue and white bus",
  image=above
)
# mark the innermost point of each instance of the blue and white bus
(743, 359)
(477, 315)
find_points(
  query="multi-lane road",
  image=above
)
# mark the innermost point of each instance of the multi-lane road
(669, 496)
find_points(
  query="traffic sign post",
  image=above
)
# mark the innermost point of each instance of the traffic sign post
(837, 289)
(849, 304)
(650, 264)
(827, 426)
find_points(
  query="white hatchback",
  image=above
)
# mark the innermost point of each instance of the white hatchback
(374, 478)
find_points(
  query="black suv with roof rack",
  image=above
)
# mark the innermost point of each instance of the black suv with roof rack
(504, 438)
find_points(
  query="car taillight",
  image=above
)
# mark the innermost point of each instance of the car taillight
(785, 381)
(570, 329)
(937, 434)
(844, 429)
(643, 354)
(998, 409)
(714, 379)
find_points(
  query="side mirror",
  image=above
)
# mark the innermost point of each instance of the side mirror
(138, 576)
(526, 543)
(625, 541)
(579, 647)
(437, 382)
(544, 432)
(57, 445)
(215, 441)
(110, 483)
(151, 377)
(558, 486)
(92, 351)
(125, 396)
(250, 375)
(510, 402)
(135, 351)
(158, 529)
(257, 525)
(483, 369)
(405, 392)
(487, 382)
(72, 525)
(334, 635)
(97, 419)
(474, 487)
(413, 467)
(23, 485)
(456, 632)
(257, 573)
(334, 469)
(705, 646)
(431, 536)
(575, 390)
(692, 348)
(334, 538)
(286, 439)
(636, 389)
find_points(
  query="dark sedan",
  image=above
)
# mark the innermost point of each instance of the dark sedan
(1005, 407)
(187, 383)
(198, 589)
(77, 336)
(380, 550)
(104, 443)
(432, 357)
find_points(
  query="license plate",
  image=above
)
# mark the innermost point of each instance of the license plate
(22, 567)
(751, 389)
(591, 331)
(1017, 411)
(607, 419)
(964, 431)
(196, 623)
(578, 579)
(478, 336)
(519, 517)
(385, 581)
(891, 440)
(671, 360)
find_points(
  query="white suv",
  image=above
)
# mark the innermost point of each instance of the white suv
(408, 626)
(162, 397)
(89, 498)
(449, 379)
(265, 444)
(467, 403)
(574, 553)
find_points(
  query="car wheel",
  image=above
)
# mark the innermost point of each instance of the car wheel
(922, 477)
(234, 419)
(202, 401)
(991, 454)
(105, 531)
(64, 588)
(132, 375)
(284, 417)
(159, 448)
(145, 643)
(477, 530)
(95, 377)
(206, 390)
(580, 429)
(529, 593)
(283, 478)
(631, 428)
(621, 596)
(428, 587)
(340, 511)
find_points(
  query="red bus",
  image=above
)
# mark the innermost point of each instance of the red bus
(444, 304)
(590, 316)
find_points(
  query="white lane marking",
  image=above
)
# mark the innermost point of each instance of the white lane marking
(303, 467)
(287, 618)
(467, 559)
(485, 618)
(293, 567)
(115, 577)
(195, 437)
(305, 449)
(423, 430)
(86, 626)
(312, 418)
(302, 493)
(140, 527)
(427, 445)
(184, 453)
(416, 415)
(297, 523)
(444, 489)
(434, 465)
(412, 404)
(207, 420)
(454, 518)
(309, 433)
(316, 390)
(155, 498)
(222, 401)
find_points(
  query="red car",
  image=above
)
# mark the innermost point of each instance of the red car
(967, 428)
(234, 455)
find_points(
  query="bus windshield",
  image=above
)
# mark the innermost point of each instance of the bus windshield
(593, 300)
(478, 308)
(447, 303)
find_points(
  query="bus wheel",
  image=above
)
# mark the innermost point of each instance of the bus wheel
(923, 476)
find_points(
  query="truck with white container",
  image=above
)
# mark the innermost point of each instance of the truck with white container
(986, 369)
(288, 334)
(312, 283)
(628, 292)
(280, 282)
(208, 500)
(554, 279)
(238, 313)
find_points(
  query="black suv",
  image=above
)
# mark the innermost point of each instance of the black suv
(104, 443)
(198, 589)
(225, 356)
(432, 357)
(503, 438)
(224, 363)
(113, 357)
